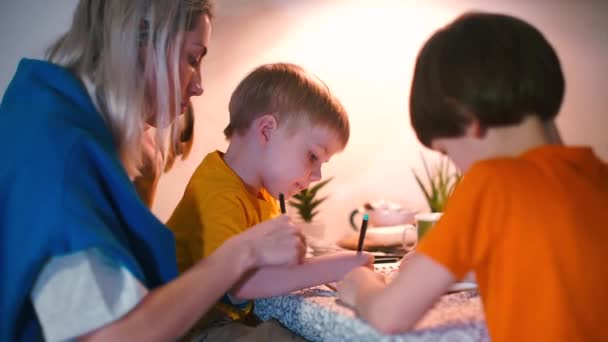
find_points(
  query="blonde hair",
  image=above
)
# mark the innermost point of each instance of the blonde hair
(182, 148)
(288, 92)
(127, 53)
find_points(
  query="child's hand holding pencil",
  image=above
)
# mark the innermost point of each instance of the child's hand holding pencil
(362, 232)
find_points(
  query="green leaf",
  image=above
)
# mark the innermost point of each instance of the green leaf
(315, 203)
(422, 187)
(440, 183)
(305, 201)
(313, 191)
(428, 175)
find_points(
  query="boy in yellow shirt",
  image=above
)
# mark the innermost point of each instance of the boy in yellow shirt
(529, 216)
(284, 124)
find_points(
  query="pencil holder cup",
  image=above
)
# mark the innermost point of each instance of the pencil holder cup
(425, 221)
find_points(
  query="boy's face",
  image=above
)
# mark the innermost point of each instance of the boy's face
(293, 157)
(467, 149)
(463, 151)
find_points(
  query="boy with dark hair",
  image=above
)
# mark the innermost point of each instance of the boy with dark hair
(529, 215)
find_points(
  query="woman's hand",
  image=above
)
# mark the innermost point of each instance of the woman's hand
(274, 242)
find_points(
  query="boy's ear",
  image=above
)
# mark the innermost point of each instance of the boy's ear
(476, 130)
(266, 125)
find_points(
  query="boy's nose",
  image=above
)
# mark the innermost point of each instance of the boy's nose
(315, 175)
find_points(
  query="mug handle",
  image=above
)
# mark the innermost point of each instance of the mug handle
(353, 214)
(405, 241)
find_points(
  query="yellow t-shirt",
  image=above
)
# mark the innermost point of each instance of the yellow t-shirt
(534, 229)
(216, 206)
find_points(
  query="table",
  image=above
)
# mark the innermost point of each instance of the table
(316, 315)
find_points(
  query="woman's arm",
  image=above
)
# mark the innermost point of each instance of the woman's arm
(168, 312)
(314, 271)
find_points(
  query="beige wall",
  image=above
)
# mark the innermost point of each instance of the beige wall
(365, 52)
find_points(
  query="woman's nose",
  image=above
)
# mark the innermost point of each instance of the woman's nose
(196, 86)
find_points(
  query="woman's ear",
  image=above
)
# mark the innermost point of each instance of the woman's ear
(266, 125)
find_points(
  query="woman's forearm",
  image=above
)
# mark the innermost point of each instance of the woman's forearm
(168, 312)
(279, 280)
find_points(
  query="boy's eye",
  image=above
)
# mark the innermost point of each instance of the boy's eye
(313, 157)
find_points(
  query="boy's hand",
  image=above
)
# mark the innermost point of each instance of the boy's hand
(276, 242)
(358, 280)
(367, 260)
(361, 259)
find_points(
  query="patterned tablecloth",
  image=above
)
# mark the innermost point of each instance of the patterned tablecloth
(316, 315)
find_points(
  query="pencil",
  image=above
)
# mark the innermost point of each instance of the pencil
(362, 233)
(282, 203)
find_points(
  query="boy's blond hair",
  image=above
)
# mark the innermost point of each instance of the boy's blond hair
(288, 92)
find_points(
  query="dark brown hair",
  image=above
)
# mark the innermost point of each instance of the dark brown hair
(493, 68)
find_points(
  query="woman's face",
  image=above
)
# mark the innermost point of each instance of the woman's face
(193, 49)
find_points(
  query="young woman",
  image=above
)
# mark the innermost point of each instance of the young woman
(82, 256)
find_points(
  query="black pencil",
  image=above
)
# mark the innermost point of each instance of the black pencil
(282, 203)
(362, 233)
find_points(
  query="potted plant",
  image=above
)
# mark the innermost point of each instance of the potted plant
(437, 188)
(306, 202)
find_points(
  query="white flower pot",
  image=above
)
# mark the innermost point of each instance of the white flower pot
(313, 230)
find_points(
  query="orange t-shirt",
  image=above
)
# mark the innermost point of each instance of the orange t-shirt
(535, 231)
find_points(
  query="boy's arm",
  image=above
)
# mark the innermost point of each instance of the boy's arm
(278, 280)
(396, 307)
(459, 241)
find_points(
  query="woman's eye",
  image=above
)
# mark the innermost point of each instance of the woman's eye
(193, 61)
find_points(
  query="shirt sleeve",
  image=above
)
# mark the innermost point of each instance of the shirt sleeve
(461, 238)
(78, 293)
(223, 217)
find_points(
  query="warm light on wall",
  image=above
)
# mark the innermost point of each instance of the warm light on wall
(365, 52)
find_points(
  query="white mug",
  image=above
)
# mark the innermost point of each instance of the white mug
(409, 238)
